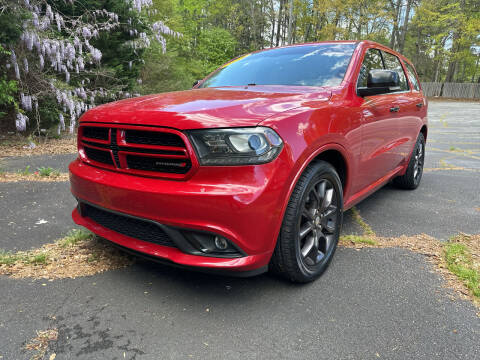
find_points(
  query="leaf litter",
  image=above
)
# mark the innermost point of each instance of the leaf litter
(66, 258)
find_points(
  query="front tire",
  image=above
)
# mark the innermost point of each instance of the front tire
(411, 179)
(311, 225)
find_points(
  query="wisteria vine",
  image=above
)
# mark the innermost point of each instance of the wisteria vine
(54, 46)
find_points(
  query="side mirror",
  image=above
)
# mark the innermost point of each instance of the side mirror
(196, 83)
(380, 81)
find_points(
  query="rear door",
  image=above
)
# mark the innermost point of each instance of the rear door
(406, 109)
(380, 130)
(416, 108)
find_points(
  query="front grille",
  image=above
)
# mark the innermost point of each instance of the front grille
(133, 227)
(148, 163)
(100, 156)
(94, 132)
(114, 147)
(153, 138)
(156, 152)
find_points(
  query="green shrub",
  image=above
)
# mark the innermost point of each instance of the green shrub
(8, 89)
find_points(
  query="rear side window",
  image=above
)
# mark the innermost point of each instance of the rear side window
(393, 63)
(412, 76)
(371, 61)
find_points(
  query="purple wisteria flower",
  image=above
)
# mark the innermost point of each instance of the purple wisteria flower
(21, 122)
(54, 46)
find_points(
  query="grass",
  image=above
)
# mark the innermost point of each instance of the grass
(7, 258)
(458, 258)
(38, 259)
(358, 239)
(72, 238)
(75, 236)
(79, 253)
(48, 171)
(453, 148)
(367, 230)
(25, 171)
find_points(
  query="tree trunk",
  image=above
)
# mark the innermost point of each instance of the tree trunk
(294, 38)
(335, 22)
(452, 67)
(437, 66)
(349, 29)
(290, 21)
(401, 43)
(317, 24)
(462, 78)
(307, 32)
(254, 27)
(279, 22)
(261, 30)
(476, 68)
(395, 23)
(272, 9)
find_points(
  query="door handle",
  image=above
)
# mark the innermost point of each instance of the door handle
(394, 109)
(419, 105)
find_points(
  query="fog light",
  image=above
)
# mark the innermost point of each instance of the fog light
(221, 243)
(207, 243)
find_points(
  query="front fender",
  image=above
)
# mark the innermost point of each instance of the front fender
(307, 133)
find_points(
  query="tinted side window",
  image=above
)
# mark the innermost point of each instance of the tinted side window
(372, 60)
(392, 63)
(412, 76)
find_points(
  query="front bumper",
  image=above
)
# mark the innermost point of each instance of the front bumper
(243, 204)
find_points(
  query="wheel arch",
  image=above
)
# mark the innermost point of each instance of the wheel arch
(424, 131)
(333, 153)
(338, 161)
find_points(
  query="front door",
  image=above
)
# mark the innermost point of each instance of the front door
(380, 131)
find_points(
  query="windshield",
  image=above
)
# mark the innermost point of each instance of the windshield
(307, 65)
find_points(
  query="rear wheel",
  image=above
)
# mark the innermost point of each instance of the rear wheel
(311, 226)
(411, 179)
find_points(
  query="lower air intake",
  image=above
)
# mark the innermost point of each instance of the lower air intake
(135, 228)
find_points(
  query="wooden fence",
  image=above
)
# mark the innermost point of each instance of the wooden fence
(452, 90)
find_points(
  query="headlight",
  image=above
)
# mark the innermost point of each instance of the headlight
(237, 146)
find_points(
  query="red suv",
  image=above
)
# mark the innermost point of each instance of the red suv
(252, 168)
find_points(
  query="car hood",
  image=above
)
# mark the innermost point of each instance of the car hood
(207, 108)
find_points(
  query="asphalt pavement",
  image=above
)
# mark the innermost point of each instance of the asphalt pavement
(370, 303)
(34, 213)
(34, 162)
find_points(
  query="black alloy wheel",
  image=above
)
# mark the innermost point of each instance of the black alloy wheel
(318, 223)
(311, 225)
(412, 177)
